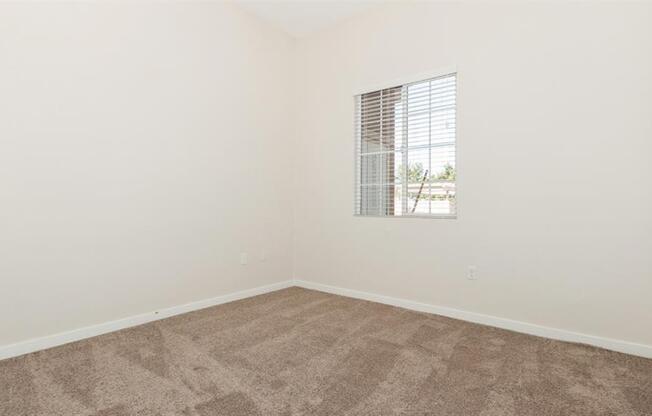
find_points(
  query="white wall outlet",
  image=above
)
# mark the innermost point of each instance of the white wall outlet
(472, 273)
(243, 258)
(263, 255)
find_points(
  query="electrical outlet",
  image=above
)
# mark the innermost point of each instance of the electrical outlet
(263, 255)
(472, 273)
(243, 258)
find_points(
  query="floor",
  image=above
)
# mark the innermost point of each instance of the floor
(303, 352)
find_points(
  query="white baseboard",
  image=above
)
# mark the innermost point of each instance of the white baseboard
(36, 344)
(517, 326)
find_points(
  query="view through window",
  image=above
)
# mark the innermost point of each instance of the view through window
(405, 150)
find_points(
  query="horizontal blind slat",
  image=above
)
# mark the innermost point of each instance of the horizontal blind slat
(405, 149)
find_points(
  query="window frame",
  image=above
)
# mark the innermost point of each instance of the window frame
(452, 70)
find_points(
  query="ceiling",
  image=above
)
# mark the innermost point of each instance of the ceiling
(303, 17)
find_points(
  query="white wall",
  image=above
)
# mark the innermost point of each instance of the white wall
(555, 179)
(139, 154)
(143, 146)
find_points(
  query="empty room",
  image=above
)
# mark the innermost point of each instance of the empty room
(325, 207)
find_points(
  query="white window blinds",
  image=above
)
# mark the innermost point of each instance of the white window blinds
(405, 150)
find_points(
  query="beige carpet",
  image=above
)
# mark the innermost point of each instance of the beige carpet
(302, 352)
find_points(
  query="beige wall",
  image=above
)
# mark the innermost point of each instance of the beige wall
(139, 154)
(555, 179)
(143, 146)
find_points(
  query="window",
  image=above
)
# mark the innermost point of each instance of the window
(405, 150)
